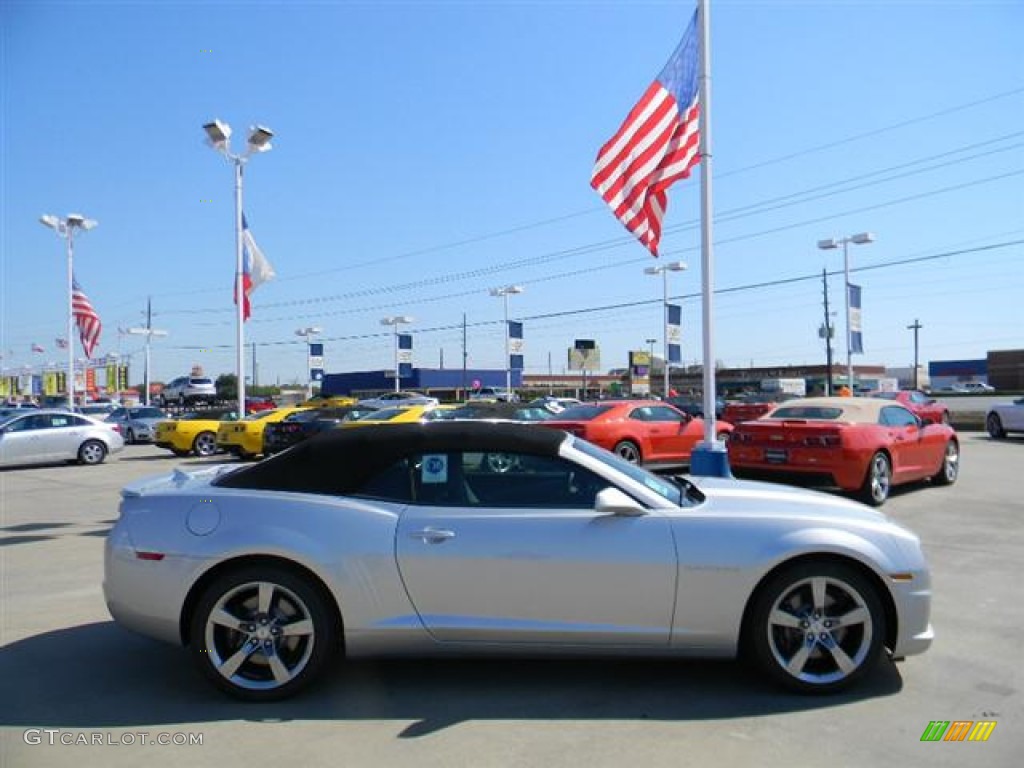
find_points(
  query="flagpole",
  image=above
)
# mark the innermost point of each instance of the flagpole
(239, 291)
(71, 318)
(710, 456)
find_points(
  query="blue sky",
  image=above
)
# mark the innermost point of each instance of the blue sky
(426, 152)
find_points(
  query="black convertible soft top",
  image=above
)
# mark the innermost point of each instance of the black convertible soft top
(339, 461)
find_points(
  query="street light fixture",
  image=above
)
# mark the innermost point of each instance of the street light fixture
(66, 228)
(309, 334)
(663, 270)
(504, 293)
(396, 320)
(218, 135)
(861, 238)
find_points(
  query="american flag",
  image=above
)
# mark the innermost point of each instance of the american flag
(657, 144)
(88, 322)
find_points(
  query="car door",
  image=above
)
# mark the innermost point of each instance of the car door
(666, 431)
(907, 445)
(21, 441)
(520, 556)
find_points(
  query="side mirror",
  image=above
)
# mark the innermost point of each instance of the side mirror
(612, 501)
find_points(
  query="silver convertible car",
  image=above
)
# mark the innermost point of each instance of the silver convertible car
(403, 540)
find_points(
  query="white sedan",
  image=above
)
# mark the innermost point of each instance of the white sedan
(44, 437)
(1005, 417)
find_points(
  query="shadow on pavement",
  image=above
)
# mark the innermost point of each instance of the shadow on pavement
(101, 676)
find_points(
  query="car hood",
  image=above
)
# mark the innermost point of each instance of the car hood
(757, 499)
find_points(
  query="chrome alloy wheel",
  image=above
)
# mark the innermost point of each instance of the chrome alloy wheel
(628, 451)
(951, 463)
(879, 480)
(820, 630)
(205, 444)
(259, 636)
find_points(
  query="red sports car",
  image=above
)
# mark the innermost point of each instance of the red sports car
(918, 403)
(865, 445)
(640, 431)
(752, 406)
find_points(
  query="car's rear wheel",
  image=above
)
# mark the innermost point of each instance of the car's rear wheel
(816, 627)
(628, 450)
(205, 444)
(878, 481)
(994, 425)
(92, 452)
(262, 633)
(950, 469)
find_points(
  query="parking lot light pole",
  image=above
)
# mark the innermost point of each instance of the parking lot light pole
(66, 228)
(504, 293)
(309, 334)
(396, 321)
(663, 270)
(861, 238)
(218, 136)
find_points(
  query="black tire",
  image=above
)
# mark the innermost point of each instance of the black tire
(205, 444)
(950, 468)
(629, 451)
(261, 636)
(795, 631)
(92, 452)
(877, 481)
(129, 437)
(994, 425)
(180, 453)
(181, 401)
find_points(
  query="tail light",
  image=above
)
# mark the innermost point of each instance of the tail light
(116, 428)
(822, 441)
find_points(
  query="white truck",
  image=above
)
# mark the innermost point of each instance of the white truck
(795, 387)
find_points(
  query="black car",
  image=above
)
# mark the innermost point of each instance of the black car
(304, 424)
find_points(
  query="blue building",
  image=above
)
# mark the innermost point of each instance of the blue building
(440, 382)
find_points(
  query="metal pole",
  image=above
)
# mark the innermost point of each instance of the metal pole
(508, 364)
(148, 338)
(846, 297)
(71, 315)
(915, 328)
(664, 301)
(239, 290)
(309, 367)
(706, 259)
(397, 385)
(828, 336)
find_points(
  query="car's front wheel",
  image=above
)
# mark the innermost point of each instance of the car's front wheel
(995, 427)
(816, 627)
(262, 633)
(129, 436)
(877, 481)
(92, 452)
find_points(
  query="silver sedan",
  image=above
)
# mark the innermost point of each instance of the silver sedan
(48, 436)
(402, 540)
(138, 424)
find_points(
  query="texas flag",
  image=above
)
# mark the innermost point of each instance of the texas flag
(256, 270)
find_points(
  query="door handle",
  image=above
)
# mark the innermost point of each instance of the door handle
(433, 535)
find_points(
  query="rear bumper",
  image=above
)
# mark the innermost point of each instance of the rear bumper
(834, 468)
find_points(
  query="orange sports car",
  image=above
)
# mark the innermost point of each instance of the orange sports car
(641, 431)
(865, 445)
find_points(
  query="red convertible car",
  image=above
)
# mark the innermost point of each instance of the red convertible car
(641, 431)
(864, 445)
(918, 403)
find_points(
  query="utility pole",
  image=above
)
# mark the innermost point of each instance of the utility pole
(915, 328)
(465, 356)
(254, 381)
(826, 332)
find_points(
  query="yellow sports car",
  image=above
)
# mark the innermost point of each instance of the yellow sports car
(331, 401)
(245, 438)
(400, 415)
(192, 433)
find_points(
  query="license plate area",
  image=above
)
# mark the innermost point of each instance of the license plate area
(776, 455)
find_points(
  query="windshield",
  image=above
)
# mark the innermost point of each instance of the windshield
(146, 413)
(384, 415)
(662, 486)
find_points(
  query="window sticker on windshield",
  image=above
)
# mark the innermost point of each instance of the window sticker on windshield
(434, 468)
